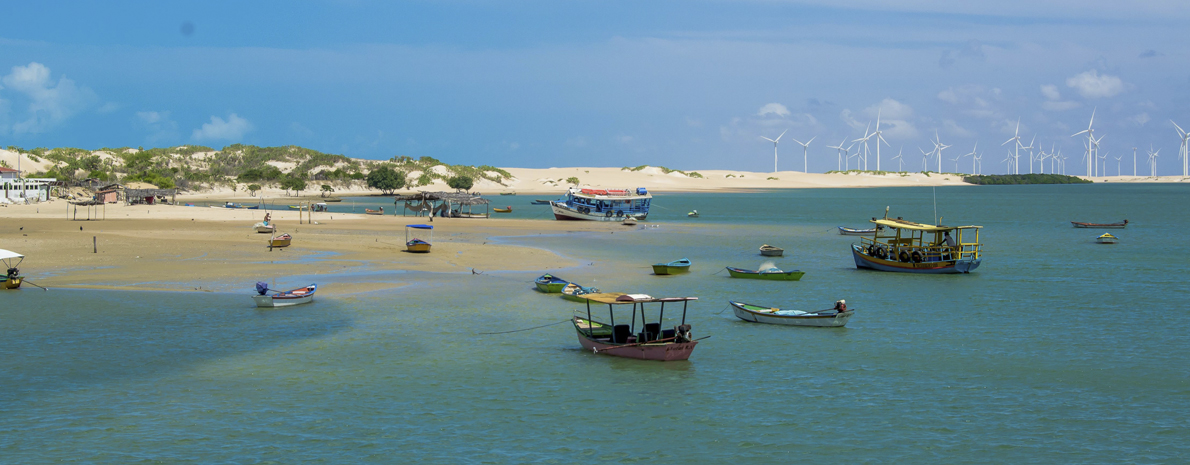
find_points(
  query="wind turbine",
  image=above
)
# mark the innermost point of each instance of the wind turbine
(1016, 137)
(1097, 157)
(879, 139)
(1030, 149)
(977, 161)
(806, 153)
(1008, 159)
(1153, 162)
(1091, 140)
(1134, 160)
(900, 161)
(973, 149)
(864, 139)
(1183, 150)
(774, 141)
(841, 150)
(1118, 165)
(925, 156)
(938, 147)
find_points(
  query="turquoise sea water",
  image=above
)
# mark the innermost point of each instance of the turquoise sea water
(1057, 349)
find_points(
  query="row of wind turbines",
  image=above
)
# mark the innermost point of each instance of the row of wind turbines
(1096, 163)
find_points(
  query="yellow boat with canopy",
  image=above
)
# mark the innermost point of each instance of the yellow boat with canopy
(909, 247)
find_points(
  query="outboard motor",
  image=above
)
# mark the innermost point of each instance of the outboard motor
(262, 288)
(13, 273)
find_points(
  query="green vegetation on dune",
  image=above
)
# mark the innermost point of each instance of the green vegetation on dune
(1003, 179)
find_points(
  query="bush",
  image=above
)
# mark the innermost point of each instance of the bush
(252, 188)
(326, 189)
(387, 179)
(463, 183)
(572, 180)
(293, 183)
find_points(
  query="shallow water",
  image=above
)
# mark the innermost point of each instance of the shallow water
(1055, 350)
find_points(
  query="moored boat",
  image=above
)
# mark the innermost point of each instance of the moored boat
(302, 295)
(418, 245)
(830, 318)
(622, 340)
(541, 202)
(910, 247)
(602, 204)
(1100, 225)
(1107, 238)
(771, 274)
(332, 199)
(507, 209)
(845, 231)
(12, 276)
(771, 251)
(693, 214)
(578, 293)
(369, 211)
(280, 241)
(674, 267)
(264, 228)
(629, 222)
(508, 193)
(550, 284)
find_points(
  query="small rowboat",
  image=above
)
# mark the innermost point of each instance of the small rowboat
(298, 296)
(693, 214)
(674, 267)
(1107, 238)
(771, 251)
(760, 314)
(541, 202)
(369, 211)
(550, 284)
(295, 207)
(417, 245)
(578, 293)
(507, 209)
(630, 221)
(771, 274)
(622, 340)
(843, 230)
(264, 228)
(1100, 225)
(332, 199)
(508, 193)
(280, 241)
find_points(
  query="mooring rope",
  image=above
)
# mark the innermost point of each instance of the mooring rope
(526, 329)
(724, 309)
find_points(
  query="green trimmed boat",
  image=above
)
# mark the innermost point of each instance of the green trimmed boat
(576, 293)
(674, 267)
(771, 274)
(550, 284)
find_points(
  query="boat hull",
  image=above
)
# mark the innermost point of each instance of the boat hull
(927, 267)
(280, 242)
(270, 301)
(772, 252)
(670, 270)
(265, 229)
(418, 248)
(837, 320)
(856, 232)
(565, 213)
(782, 276)
(14, 283)
(551, 288)
(662, 352)
(1099, 225)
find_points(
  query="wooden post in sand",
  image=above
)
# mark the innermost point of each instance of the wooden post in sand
(94, 245)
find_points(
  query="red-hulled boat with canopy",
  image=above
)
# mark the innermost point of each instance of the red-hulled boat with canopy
(622, 340)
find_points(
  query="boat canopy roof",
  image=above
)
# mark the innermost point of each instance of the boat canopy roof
(621, 299)
(6, 254)
(419, 226)
(903, 224)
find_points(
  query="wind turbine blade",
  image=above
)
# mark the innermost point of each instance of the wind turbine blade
(1080, 132)
(782, 134)
(1180, 131)
(880, 138)
(1007, 141)
(770, 140)
(811, 140)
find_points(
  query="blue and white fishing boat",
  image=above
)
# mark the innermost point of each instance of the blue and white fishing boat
(602, 204)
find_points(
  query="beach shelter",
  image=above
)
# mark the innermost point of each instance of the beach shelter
(415, 244)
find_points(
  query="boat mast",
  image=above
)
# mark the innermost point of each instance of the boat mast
(684, 302)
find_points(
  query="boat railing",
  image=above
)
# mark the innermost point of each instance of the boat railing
(943, 252)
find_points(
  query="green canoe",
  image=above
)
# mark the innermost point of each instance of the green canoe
(771, 274)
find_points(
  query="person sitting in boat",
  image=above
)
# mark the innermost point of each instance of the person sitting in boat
(841, 306)
(267, 217)
(946, 239)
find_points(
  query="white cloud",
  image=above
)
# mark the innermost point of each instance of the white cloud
(1050, 91)
(232, 129)
(1139, 119)
(1091, 85)
(954, 129)
(891, 109)
(773, 109)
(50, 103)
(160, 127)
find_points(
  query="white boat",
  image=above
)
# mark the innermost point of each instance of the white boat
(831, 318)
(602, 204)
(264, 228)
(298, 296)
(693, 214)
(629, 221)
(771, 251)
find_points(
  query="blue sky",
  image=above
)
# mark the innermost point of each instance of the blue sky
(689, 85)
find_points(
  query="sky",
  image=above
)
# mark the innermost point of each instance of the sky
(684, 84)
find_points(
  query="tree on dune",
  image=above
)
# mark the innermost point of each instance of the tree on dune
(460, 182)
(386, 179)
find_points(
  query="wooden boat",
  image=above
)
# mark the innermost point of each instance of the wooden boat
(295, 207)
(1107, 238)
(771, 251)
(1100, 225)
(771, 274)
(629, 222)
(12, 278)
(831, 318)
(302, 295)
(332, 199)
(910, 247)
(693, 214)
(843, 230)
(264, 228)
(674, 267)
(244, 207)
(417, 245)
(503, 210)
(280, 241)
(602, 204)
(550, 284)
(369, 211)
(578, 293)
(541, 202)
(508, 193)
(622, 340)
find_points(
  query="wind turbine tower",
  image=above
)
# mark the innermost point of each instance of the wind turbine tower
(806, 153)
(1183, 150)
(938, 147)
(879, 139)
(1016, 148)
(1090, 142)
(774, 141)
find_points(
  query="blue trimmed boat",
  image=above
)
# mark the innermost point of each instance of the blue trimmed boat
(907, 247)
(550, 284)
